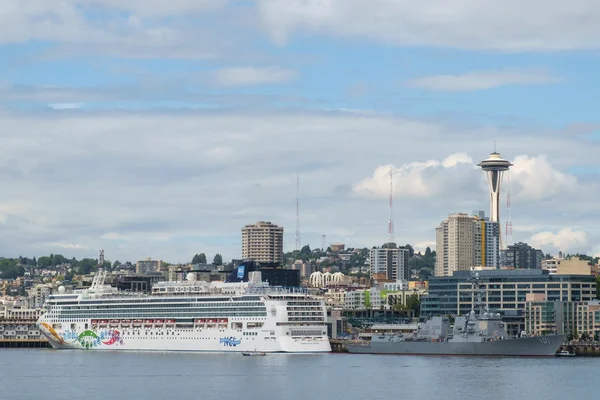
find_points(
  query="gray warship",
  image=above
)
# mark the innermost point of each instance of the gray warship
(475, 334)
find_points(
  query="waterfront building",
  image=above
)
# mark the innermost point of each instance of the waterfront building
(335, 297)
(562, 317)
(263, 242)
(569, 266)
(355, 299)
(506, 292)
(389, 262)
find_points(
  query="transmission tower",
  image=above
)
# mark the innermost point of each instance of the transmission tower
(323, 237)
(391, 220)
(509, 238)
(297, 212)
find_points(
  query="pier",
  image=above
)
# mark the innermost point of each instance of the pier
(24, 343)
(583, 349)
(21, 333)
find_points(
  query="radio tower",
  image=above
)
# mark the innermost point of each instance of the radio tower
(297, 212)
(323, 237)
(509, 238)
(391, 220)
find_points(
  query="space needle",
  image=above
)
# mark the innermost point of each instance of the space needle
(494, 166)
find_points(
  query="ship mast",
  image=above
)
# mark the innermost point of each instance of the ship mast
(478, 291)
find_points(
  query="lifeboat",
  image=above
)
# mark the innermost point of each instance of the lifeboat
(94, 321)
(103, 322)
(114, 322)
(137, 322)
(148, 322)
(200, 322)
(170, 321)
(158, 322)
(125, 322)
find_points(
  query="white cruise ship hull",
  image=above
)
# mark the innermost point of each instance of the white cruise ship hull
(221, 341)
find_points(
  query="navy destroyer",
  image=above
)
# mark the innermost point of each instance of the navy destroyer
(475, 334)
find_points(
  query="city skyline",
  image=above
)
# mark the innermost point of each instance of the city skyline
(113, 139)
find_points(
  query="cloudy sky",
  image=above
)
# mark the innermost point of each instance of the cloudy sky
(159, 128)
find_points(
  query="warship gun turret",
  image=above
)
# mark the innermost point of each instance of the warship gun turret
(478, 333)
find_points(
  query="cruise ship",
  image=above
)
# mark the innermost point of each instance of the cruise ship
(188, 316)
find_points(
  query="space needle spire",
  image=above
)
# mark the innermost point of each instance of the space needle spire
(494, 166)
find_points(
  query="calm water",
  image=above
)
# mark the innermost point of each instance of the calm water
(54, 374)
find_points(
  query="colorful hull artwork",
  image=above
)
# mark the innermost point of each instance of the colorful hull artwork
(52, 332)
(88, 339)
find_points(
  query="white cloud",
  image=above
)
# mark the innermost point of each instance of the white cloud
(148, 31)
(65, 106)
(148, 177)
(564, 240)
(71, 246)
(479, 80)
(244, 76)
(510, 25)
(536, 179)
(113, 236)
(415, 179)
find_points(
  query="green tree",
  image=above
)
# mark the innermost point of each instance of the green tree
(44, 262)
(116, 264)
(411, 251)
(58, 259)
(199, 259)
(13, 272)
(218, 259)
(414, 303)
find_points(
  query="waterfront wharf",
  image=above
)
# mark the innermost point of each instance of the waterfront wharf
(22, 333)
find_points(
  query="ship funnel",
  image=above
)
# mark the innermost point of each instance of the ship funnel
(255, 277)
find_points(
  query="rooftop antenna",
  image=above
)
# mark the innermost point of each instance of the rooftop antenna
(391, 220)
(297, 212)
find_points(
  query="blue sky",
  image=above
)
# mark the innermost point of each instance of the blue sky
(222, 101)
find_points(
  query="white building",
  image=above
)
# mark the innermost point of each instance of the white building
(396, 286)
(354, 300)
(39, 294)
(375, 298)
(389, 262)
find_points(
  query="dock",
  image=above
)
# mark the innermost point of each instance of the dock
(21, 333)
(24, 343)
(583, 349)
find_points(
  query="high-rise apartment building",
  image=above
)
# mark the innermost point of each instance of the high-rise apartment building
(522, 256)
(464, 241)
(487, 241)
(390, 262)
(263, 242)
(148, 266)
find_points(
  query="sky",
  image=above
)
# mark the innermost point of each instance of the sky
(153, 128)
